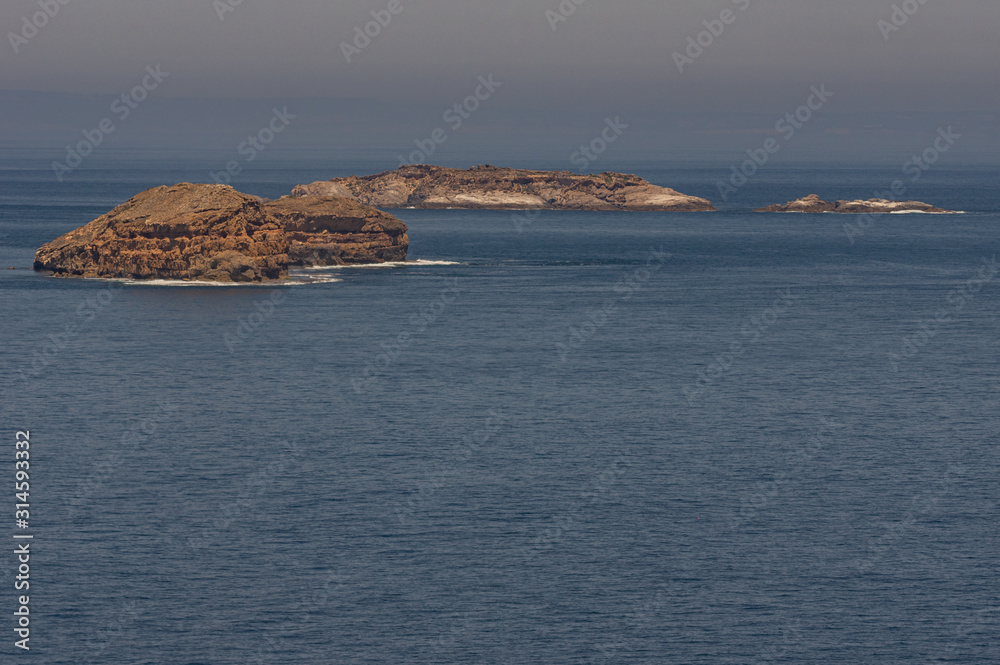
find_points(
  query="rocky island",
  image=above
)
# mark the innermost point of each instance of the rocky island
(214, 233)
(813, 203)
(490, 187)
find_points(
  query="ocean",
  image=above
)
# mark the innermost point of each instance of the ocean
(555, 438)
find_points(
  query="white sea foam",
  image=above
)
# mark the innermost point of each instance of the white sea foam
(182, 282)
(890, 212)
(293, 280)
(388, 264)
(300, 277)
(925, 212)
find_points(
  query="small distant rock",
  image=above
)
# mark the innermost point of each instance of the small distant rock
(813, 204)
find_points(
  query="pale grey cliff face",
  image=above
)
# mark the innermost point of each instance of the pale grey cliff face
(489, 187)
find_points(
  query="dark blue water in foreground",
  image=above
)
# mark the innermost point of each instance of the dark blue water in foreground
(606, 438)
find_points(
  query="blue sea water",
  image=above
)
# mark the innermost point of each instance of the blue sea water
(561, 438)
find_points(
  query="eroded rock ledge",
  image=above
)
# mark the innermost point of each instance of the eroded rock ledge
(214, 233)
(490, 187)
(813, 203)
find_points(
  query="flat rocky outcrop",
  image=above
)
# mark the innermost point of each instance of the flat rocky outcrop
(490, 187)
(813, 203)
(214, 233)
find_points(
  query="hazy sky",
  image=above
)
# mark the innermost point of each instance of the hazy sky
(231, 61)
(946, 56)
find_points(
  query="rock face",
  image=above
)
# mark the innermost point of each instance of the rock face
(813, 203)
(324, 230)
(489, 187)
(214, 233)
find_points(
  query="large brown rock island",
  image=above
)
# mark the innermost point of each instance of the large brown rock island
(813, 203)
(214, 233)
(490, 187)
